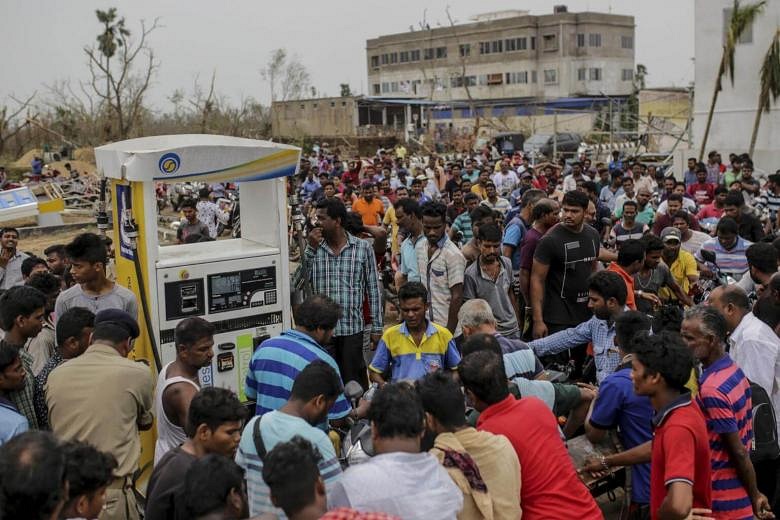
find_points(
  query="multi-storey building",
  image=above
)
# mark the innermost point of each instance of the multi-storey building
(509, 54)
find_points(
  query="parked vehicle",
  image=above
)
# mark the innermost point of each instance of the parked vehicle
(509, 143)
(543, 144)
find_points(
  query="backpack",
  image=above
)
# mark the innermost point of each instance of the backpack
(764, 445)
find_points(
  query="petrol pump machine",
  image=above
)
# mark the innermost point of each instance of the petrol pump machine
(241, 286)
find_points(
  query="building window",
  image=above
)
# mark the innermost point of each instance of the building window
(550, 42)
(594, 40)
(747, 34)
(514, 78)
(332, 104)
(580, 40)
(465, 49)
(415, 55)
(533, 76)
(404, 56)
(385, 87)
(482, 79)
(627, 42)
(441, 52)
(393, 86)
(343, 103)
(303, 106)
(516, 44)
(374, 61)
(628, 75)
(394, 57)
(428, 54)
(551, 76)
(416, 86)
(493, 47)
(581, 74)
(594, 74)
(497, 46)
(314, 105)
(385, 59)
(495, 79)
(461, 81)
(533, 43)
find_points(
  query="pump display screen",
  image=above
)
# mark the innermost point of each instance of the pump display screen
(242, 289)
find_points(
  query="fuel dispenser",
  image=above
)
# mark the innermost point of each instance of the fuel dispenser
(241, 286)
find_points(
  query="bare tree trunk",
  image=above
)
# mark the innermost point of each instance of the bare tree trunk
(757, 122)
(716, 91)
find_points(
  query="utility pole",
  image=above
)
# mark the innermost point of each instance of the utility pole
(555, 134)
(611, 137)
(690, 117)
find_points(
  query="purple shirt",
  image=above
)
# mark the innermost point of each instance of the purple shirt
(528, 247)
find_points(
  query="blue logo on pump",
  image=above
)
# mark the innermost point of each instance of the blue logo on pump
(169, 163)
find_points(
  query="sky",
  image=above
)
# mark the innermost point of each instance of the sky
(44, 39)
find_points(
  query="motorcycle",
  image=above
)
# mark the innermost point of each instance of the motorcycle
(704, 286)
(356, 444)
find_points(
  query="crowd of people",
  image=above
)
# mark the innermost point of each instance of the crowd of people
(490, 309)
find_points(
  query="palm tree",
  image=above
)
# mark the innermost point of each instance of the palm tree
(741, 19)
(770, 84)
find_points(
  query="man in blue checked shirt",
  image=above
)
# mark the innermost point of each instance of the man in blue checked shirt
(278, 361)
(607, 300)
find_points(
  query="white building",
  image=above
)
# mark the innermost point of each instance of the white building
(735, 112)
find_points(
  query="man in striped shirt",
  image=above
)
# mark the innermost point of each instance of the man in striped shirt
(314, 392)
(277, 362)
(724, 399)
(729, 249)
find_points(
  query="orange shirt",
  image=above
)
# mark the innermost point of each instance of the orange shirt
(370, 212)
(630, 301)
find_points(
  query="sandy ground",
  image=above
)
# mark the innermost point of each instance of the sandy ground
(36, 244)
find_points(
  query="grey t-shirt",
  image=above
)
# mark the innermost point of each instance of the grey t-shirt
(659, 277)
(118, 298)
(478, 285)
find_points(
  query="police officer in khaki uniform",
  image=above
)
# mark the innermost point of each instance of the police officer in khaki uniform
(103, 398)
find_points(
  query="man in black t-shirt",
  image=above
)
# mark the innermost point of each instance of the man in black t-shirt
(762, 261)
(214, 424)
(564, 260)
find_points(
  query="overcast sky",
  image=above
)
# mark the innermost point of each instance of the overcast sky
(43, 39)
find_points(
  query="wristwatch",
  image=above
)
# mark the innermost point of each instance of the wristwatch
(604, 462)
(639, 293)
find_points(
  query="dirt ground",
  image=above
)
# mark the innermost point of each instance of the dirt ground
(37, 243)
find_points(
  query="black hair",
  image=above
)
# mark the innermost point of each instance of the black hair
(576, 198)
(608, 284)
(9, 229)
(762, 256)
(728, 225)
(213, 407)
(410, 207)
(190, 330)
(369, 185)
(86, 469)
(87, 247)
(334, 208)
(481, 341)
(19, 301)
(32, 476)
(29, 263)
(684, 215)
(531, 196)
(188, 203)
(412, 290)
(631, 251)
(442, 397)
(628, 325)
(353, 224)
(207, 484)
(435, 210)
(484, 375)
(666, 354)
(480, 212)
(397, 411)
(542, 208)
(58, 249)
(316, 378)
(8, 354)
(489, 232)
(631, 203)
(318, 312)
(675, 196)
(47, 283)
(291, 470)
(652, 243)
(72, 323)
(470, 196)
(204, 193)
(721, 189)
(589, 186)
(734, 198)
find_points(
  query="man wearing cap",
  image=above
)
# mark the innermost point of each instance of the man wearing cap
(681, 263)
(104, 399)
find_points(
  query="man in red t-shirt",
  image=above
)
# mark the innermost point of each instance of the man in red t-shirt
(550, 485)
(702, 191)
(680, 474)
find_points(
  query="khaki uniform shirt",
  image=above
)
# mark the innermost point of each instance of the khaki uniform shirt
(102, 398)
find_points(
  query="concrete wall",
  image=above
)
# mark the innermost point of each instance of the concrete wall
(735, 111)
(324, 116)
(527, 125)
